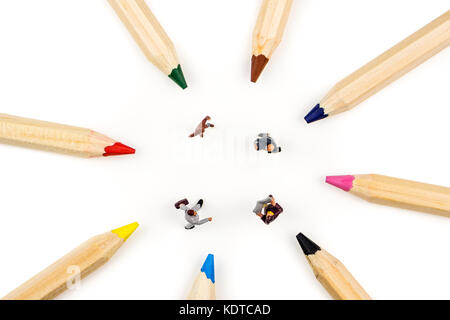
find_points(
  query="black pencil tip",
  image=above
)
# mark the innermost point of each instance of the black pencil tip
(307, 245)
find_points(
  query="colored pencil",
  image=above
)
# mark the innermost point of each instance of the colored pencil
(74, 266)
(151, 37)
(58, 137)
(204, 287)
(385, 69)
(268, 33)
(331, 273)
(396, 192)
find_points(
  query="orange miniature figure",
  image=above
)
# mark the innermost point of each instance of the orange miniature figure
(200, 130)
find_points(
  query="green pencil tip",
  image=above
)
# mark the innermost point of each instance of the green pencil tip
(178, 77)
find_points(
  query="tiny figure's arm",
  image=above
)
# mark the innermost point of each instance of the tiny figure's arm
(260, 205)
(184, 207)
(203, 221)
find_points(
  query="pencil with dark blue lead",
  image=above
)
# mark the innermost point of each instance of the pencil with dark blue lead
(384, 69)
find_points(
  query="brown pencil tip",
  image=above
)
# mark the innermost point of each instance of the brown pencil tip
(258, 64)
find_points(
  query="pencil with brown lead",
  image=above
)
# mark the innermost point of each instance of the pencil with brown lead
(268, 33)
(331, 273)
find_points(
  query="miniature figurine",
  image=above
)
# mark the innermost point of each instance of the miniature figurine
(200, 130)
(266, 142)
(190, 214)
(271, 209)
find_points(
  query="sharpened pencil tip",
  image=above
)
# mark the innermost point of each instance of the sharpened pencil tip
(307, 245)
(317, 113)
(208, 268)
(126, 231)
(118, 149)
(342, 182)
(259, 62)
(178, 77)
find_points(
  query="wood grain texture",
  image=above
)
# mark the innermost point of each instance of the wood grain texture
(335, 277)
(270, 26)
(52, 136)
(148, 33)
(54, 280)
(403, 193)
(389, 66)
(202, 289)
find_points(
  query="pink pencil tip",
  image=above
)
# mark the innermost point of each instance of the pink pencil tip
(118, 149)
(342, 182)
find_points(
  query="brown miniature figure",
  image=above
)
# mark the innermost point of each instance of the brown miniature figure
(200, 130)
(271, 209)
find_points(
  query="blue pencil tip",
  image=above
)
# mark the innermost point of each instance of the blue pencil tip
(317, 113)
(208, 268)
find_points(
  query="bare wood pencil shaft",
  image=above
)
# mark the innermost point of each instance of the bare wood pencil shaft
(388, 67)
(202, 289)
(403, 193)
(52, 136)
(148, 33)
(335, 277)
(80, 262)
(270, 26)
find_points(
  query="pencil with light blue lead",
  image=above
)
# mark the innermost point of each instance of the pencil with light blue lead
(204, 287)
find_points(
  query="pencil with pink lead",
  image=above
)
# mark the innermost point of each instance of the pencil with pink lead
(396, 192)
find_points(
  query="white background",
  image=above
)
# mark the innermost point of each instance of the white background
(74, 62)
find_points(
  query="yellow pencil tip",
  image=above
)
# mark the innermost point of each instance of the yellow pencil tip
(126, 231)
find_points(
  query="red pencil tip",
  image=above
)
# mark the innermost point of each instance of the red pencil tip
(118, 149)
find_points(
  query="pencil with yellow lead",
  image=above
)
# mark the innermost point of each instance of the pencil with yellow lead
(151, 37)
(77, 264)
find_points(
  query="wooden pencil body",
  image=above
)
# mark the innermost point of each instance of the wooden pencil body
(403, 193)
(336, 279)
(270, 26)
(202, 289)
(388, 67)
(52, 136)
(80, 262)
(148, 33)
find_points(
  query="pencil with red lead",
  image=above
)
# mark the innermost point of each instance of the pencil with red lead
(58, 138)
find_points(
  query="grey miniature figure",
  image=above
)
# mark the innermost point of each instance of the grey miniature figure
(191, 214)
(266, 142)
(270, 208)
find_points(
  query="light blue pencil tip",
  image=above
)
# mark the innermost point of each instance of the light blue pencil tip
(208, 268)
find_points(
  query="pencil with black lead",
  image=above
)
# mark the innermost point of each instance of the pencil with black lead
(331, 273)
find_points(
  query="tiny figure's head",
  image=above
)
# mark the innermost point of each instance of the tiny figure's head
(192, 213)
(269, 213)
